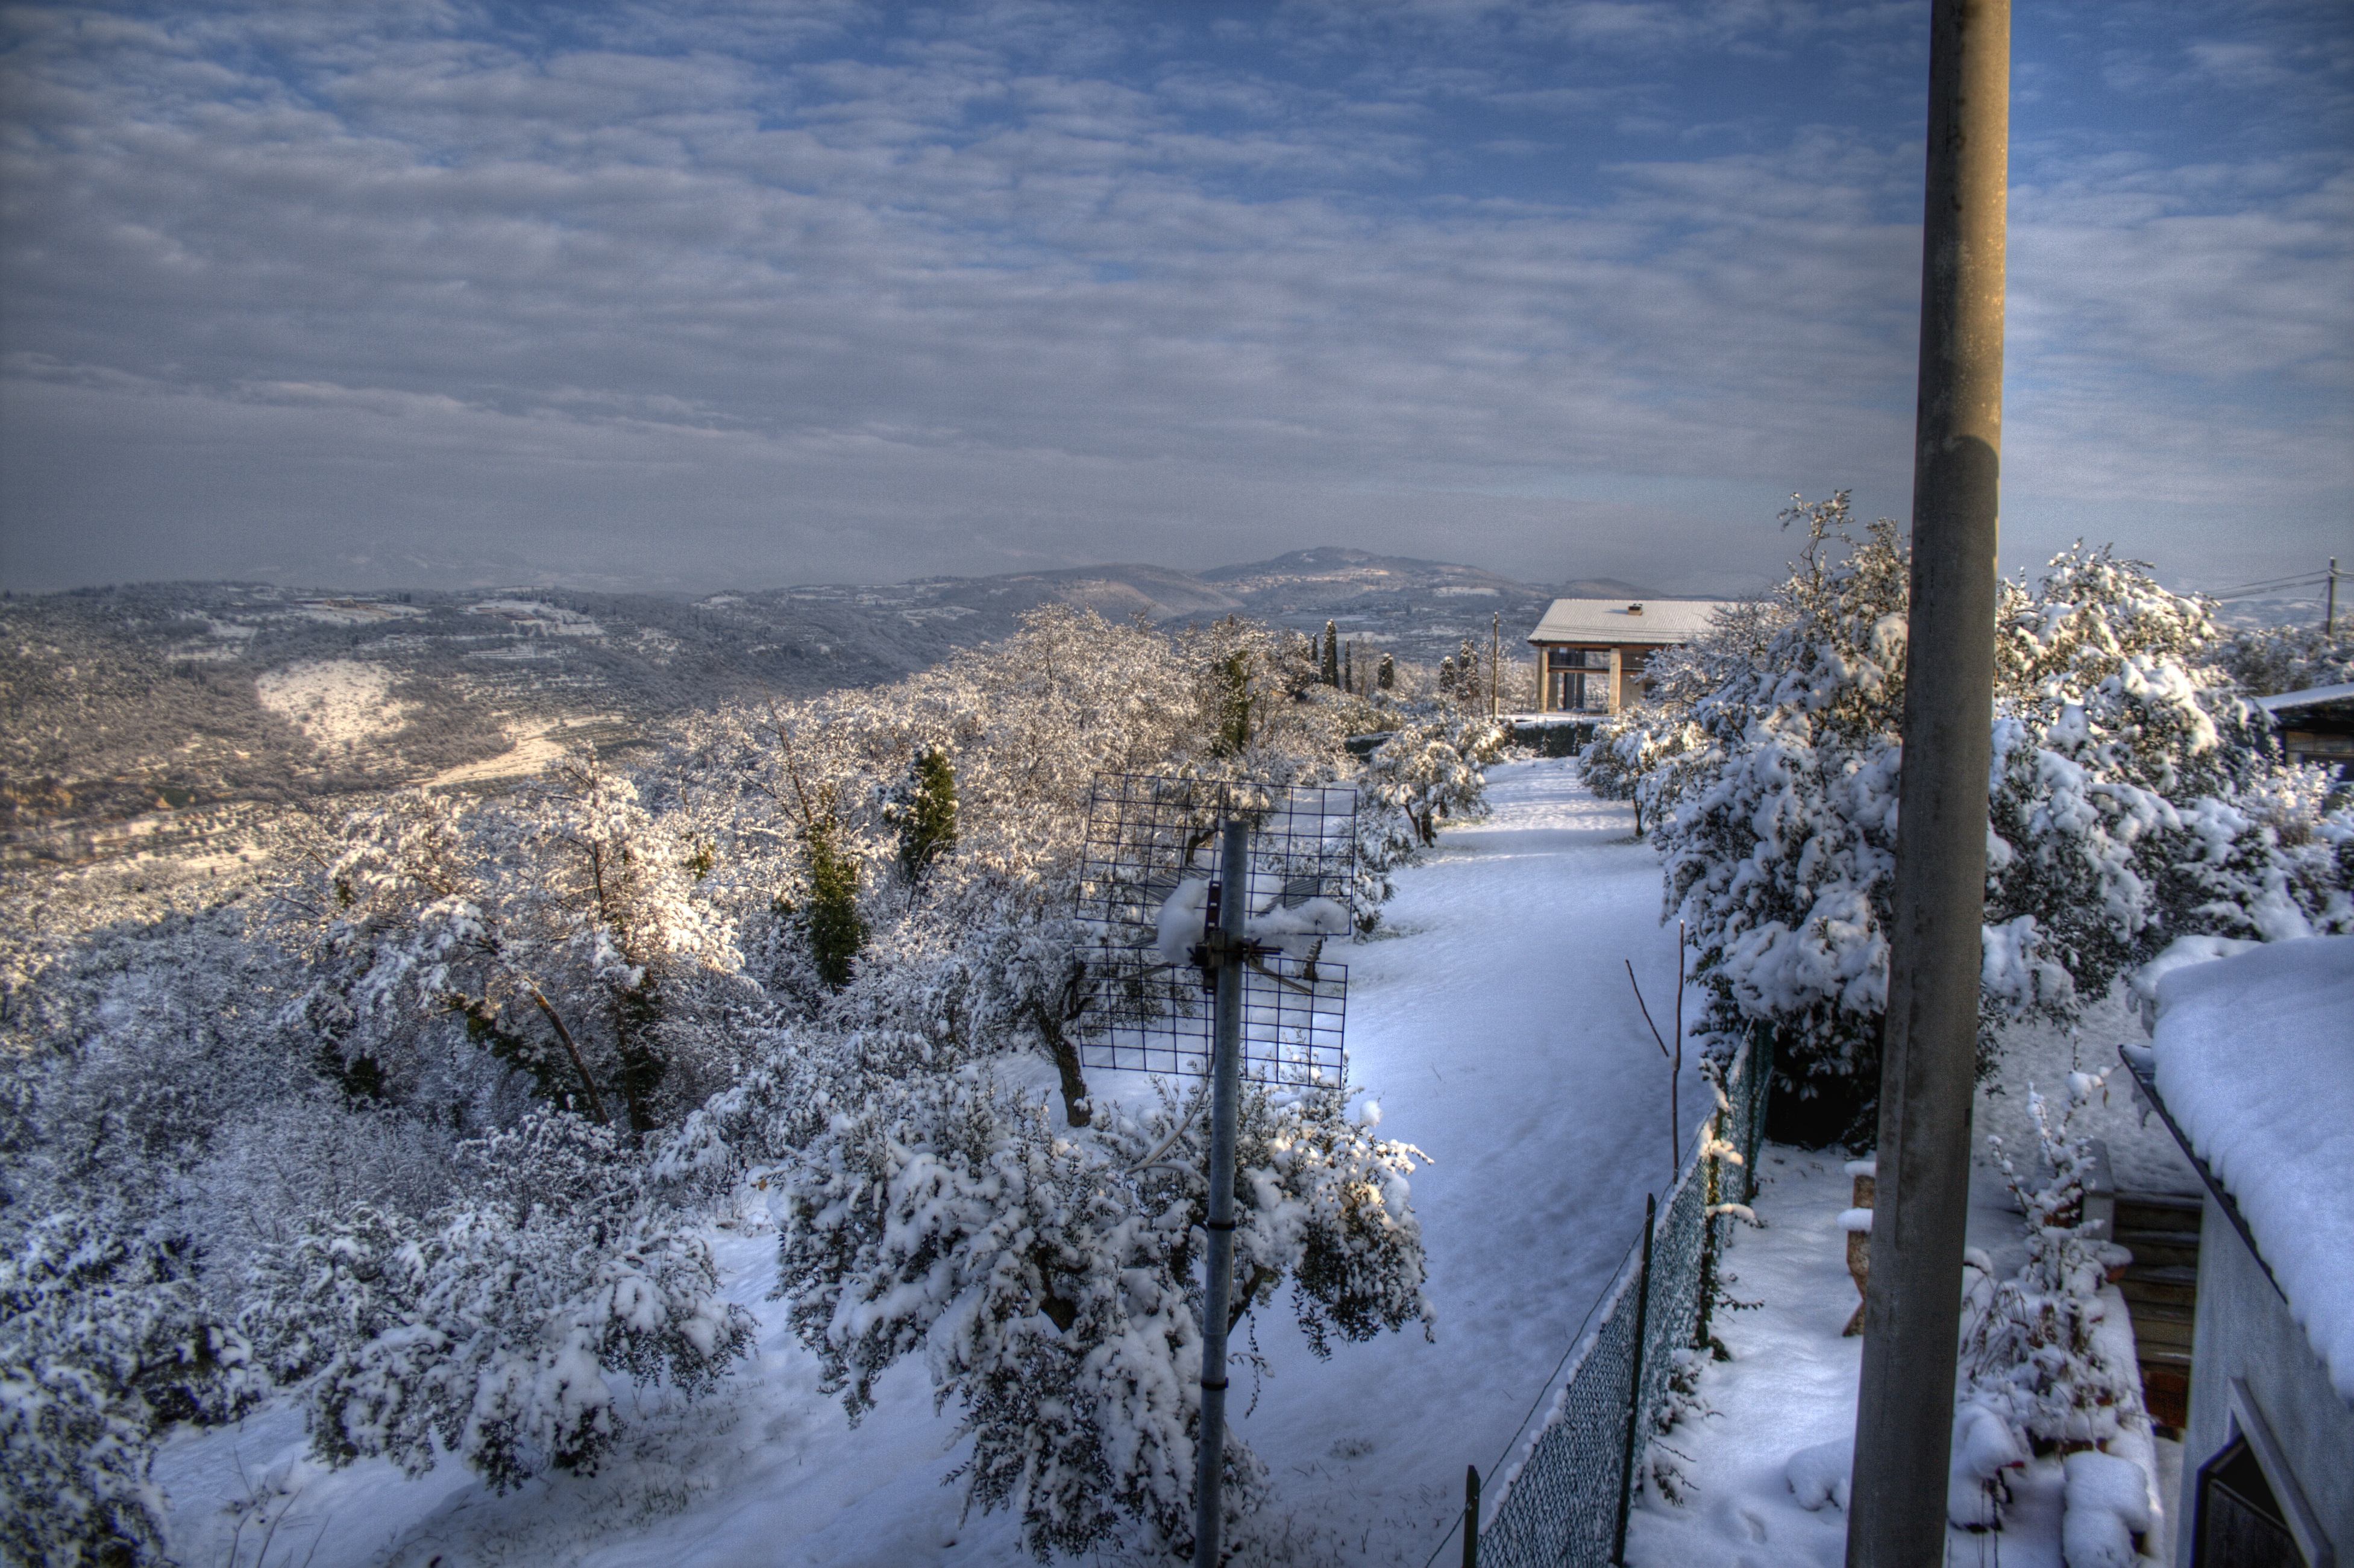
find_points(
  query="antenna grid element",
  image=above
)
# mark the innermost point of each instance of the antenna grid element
(1146, 879)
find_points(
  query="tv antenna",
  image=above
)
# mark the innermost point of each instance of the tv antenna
(1213, 899)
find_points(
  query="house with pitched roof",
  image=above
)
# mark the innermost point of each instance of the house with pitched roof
(1592, 652)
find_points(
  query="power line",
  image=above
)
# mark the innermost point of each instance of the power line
(2311, 580)
(2269, 582)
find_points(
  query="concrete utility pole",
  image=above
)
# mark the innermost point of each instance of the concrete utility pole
(1905, 1413)
(2329, 613)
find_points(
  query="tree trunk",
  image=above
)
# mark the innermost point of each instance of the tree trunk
(596, 1100)
(1076, 1109)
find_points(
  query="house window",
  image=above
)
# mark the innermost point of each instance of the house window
(1578, 657)
(1578, 690)
(2239, 1524)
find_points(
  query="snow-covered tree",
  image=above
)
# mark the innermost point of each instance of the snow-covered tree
(2132, 800)
(926, 814)
(1430, 770)
(1052, 1278)
(564, 927)
(488, 1328)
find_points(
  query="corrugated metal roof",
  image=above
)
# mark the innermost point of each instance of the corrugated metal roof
(1658, 620)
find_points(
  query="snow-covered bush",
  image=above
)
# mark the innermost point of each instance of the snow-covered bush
(2276, 659)
(2030, 1353)
(104, 1340)
(489, 1328)
(1052, 1278)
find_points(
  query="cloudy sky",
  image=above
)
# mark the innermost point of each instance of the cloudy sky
(691, 295)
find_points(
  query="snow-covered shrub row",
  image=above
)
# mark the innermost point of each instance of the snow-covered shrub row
(425, 1133)
(2133, 801)
(2034, 1355)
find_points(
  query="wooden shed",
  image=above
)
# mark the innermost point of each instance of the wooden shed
(2315, 725)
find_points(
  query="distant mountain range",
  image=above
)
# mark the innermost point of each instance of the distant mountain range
(119, 705)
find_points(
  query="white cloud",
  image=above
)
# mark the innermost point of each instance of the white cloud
(1045, 284)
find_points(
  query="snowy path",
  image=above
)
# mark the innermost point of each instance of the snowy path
(1500, 1034)
(1496, 1027)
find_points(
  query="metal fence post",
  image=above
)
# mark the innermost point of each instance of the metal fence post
(1470, 1516)
(1634, 1394)
(1715, 1187)
(1226, 1092)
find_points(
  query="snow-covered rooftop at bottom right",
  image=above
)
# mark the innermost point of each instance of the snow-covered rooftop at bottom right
(2255, 1062)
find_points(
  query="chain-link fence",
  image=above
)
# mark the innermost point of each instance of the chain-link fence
(1564, 1502)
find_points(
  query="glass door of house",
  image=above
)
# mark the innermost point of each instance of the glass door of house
(1580, 678)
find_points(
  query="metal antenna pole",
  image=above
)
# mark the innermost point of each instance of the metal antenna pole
(2329, 610)
(1904, 1410)
(1218, 1271)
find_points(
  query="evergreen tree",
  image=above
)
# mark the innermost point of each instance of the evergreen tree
(1349, 668)
(1331, 655)
(1447, 674)
(1387, 679)
(927, 814)
(837, 932)
(1234, 703)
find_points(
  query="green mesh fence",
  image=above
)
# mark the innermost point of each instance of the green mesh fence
(1564, 1503)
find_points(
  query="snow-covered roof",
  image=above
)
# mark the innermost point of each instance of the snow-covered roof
(2256, 1065)
(1622, 621)
(2311, 697)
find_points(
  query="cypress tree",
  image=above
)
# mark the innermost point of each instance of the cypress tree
(1349, 668)
(1234, 703)
(836, 931)
(928, 816)
(1387, 679)
(1447, 674)
(1331, 655)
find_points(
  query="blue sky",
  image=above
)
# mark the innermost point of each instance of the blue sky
(692, 296)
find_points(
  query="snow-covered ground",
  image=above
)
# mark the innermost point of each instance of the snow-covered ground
(335, 701)
(1791, 1385)
(1494, 1024)
(535, 743)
